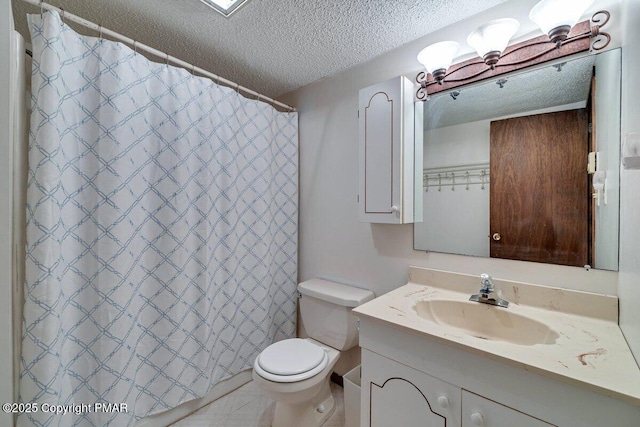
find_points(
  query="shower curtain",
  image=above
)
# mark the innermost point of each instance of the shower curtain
(161, 232)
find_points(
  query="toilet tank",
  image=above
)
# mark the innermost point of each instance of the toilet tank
(325, 310)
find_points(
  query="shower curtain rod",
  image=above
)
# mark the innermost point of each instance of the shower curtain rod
(136, 45)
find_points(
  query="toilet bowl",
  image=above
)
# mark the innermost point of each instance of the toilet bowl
(296, 372)
(302, 402)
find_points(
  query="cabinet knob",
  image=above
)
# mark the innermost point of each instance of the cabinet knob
(477, 419)
(497, 237)
(443, 402)
(395, 209)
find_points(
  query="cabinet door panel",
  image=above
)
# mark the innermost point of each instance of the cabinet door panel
(387, 152)
(400, 403)
(378, 153)
(480, 412)
(396, 395)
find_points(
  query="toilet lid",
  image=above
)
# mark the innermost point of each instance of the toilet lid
(291, 357)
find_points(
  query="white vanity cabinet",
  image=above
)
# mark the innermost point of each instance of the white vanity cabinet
(405, 377)
(431, 354)
(400, 396)
(390, 147)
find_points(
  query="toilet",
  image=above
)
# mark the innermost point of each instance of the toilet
(296, 372)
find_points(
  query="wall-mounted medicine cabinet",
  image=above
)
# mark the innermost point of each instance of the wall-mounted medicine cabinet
(391, 138)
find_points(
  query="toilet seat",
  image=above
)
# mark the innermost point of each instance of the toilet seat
(291, 360)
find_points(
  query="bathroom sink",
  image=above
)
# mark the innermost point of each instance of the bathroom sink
(485, 322)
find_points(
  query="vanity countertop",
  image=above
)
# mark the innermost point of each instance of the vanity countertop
(590, 351)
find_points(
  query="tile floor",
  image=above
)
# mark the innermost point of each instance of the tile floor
(246, 407)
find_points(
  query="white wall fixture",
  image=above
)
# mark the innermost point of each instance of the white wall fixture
(631, 151)
(591, 163)
(388, 162)
(492, 38)
(600, 186)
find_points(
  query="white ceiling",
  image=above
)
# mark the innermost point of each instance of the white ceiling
(270, 46)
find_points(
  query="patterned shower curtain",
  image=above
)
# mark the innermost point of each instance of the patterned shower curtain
(162, 232)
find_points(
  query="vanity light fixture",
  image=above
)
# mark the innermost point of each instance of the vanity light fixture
(556, 17)
(492, 38)
(438, 57)
(563, 37)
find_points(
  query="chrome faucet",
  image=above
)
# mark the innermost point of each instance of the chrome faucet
(488, 294)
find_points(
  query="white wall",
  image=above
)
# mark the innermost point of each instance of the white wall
(629, 277)
(6, 168)
(332, 243)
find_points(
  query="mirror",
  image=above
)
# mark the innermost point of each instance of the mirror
(505, 165)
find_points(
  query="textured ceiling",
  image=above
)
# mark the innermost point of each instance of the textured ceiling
(271, 46)
(534, 90)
